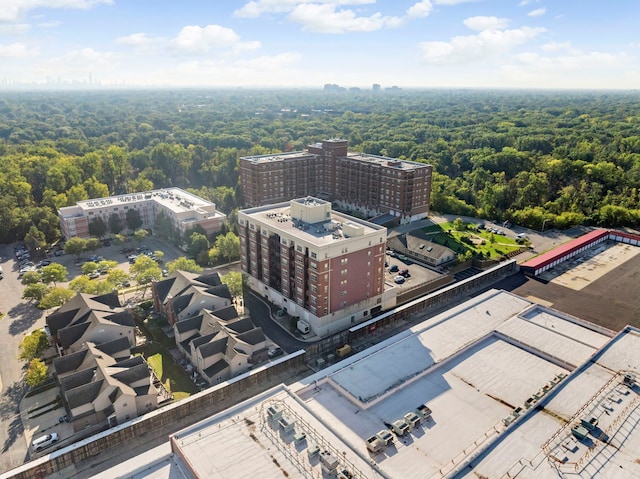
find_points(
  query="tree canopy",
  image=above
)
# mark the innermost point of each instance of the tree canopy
(570, 157)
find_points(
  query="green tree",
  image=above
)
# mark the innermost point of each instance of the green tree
(35, 292)
(93, 244)
(54, 273)
(97, 227)
(115, 224)
(89, 267)
(133, 219)
(117, 277)
(33, 345)
(458, 224)
(81, 284)
(228, 245)
(31, 277)
(37, 373)
(140, 235)
(56, 297)
(145, 270)
(35, 239)
(75, 246)
(196, 243)
(183, 264)
(234, 281)
(107, 264)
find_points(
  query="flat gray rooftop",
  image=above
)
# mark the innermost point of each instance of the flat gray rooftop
(505, 380)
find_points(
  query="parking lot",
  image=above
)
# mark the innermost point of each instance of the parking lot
(415, 274)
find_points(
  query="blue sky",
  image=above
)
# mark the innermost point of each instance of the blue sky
(307, 43)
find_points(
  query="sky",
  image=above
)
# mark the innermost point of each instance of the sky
(565, 44)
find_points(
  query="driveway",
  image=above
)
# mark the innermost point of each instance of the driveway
(20, 318)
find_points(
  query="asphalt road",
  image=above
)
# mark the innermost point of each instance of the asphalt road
(20, 318)
(259, 313)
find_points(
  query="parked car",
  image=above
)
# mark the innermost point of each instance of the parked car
(93, 275)
(58, 252)
(165, 272)
(44, 441)
(275, 352)
(404, 272)
(399, 279)
(393, 268)
(44, 262)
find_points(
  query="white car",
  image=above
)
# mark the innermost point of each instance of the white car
(44, 441)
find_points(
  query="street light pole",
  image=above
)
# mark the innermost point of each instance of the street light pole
(543, 223)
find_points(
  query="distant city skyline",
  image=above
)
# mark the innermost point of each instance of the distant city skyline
(310, 43)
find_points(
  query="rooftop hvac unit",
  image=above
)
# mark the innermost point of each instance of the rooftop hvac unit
(329, 462)
(629, 379)
(412, 419)
(424, 411)
(286, 424)
(274, 413)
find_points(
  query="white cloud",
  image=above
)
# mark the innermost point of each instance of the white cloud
(527, 2)
(16, 50)
(12, 10)
(574, 69)
(196, 40)
(420, 9)
(453, 2)
(537, 12)
(555, 46)
(255, 8)
(332, 16)
(14, 29)
(480, 24)
(325, 19)
(473, 48)
(137, 40)
(48, 24)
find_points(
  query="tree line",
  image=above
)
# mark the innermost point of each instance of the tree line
(563, 158)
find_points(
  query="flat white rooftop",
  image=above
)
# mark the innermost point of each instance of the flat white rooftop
(505, 380)
(278, 218)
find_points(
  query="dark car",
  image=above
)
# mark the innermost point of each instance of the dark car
(393, 268)
(44, 262)
(275, 352)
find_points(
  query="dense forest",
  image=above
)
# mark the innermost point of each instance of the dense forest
(566, 157)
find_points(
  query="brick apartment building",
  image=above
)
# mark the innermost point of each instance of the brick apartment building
(185, 211)
(325, 267)
(374, 185)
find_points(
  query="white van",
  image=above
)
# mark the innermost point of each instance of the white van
(44, 441)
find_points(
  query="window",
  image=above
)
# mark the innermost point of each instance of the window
(344, 260)
(313, 255)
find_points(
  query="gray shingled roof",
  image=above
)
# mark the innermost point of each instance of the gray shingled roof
(132, 374)
(216, 368)
(188, 324)
(212, 279)
(221, 291)
(71, 334)
(254, 336)
(123, 318)
(114, 346)
(70, 362)
(60, 319)
(226, 314)
(84, 394)
(181, 302)
(77, 379)
(240, 325)
(203, 339)
(214, 347)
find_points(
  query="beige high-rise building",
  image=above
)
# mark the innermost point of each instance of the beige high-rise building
(324, 267)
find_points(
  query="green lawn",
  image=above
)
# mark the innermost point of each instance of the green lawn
(172, 376)
(493, 245)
